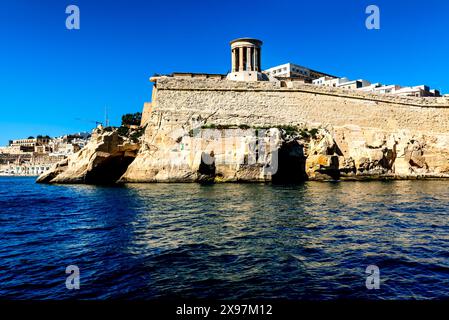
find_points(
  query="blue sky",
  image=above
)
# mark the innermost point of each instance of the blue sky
(51, 76)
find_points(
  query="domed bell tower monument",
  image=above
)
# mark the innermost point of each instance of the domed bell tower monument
(245, 58)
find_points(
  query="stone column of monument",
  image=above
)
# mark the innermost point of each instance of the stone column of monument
(249, 59)
(241, 59)
(256, 59)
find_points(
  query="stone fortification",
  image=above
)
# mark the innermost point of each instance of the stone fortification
(214, 129)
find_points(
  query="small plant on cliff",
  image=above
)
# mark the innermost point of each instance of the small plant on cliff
(209, 126)
(263, 127)
(289, 130)
(314, 132)
(308, 134)
(131, 119)
(136, 134)
(225, 126)
(123, 131)
(304, 133)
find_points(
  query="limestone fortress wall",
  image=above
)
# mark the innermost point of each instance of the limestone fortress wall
(270, 103)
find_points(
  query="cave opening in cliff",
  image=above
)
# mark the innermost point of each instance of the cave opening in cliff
(207, 169)
(110, 170)
(291, 164)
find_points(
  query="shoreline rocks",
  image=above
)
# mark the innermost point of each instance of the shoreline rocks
(231, 154)
(102, 161)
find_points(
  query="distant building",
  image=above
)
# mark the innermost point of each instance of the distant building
(10, 150)
(379, 88)
(435, 93)
(416, 91)
(290, 70)
(323, 81)
(366, 86)
(15, 157)
(63, 148)
(329, 81)
(344, 83)
(371, 88)
(27, 169)
(354, 84)
(30, 144)
(34, 156)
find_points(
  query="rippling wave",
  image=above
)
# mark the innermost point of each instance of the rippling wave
(225, 241)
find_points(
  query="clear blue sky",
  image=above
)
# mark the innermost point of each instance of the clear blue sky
(49, 76)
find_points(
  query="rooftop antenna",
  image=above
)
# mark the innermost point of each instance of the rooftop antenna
(106, 120)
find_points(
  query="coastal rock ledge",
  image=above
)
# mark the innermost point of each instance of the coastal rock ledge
(208, 130)
(103, 160)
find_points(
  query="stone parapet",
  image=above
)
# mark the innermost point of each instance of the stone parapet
(174, 83)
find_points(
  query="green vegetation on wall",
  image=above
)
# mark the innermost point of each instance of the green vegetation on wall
(131, 119)
(288, 130)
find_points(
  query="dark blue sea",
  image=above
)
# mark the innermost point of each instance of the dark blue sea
(310, 241)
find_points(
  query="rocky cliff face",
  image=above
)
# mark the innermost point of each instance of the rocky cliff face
(207, 154)
(103, 160)
(367, 153)
(287, 155)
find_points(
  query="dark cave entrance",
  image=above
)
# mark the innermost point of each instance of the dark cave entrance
(207, 169)
(291, 167)
(109, 170)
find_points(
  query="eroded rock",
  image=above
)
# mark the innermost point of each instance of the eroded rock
(414, 155)
(103, 160)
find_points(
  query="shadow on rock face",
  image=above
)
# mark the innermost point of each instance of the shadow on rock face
(207, 169)
(109, 171)
(291, 164)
